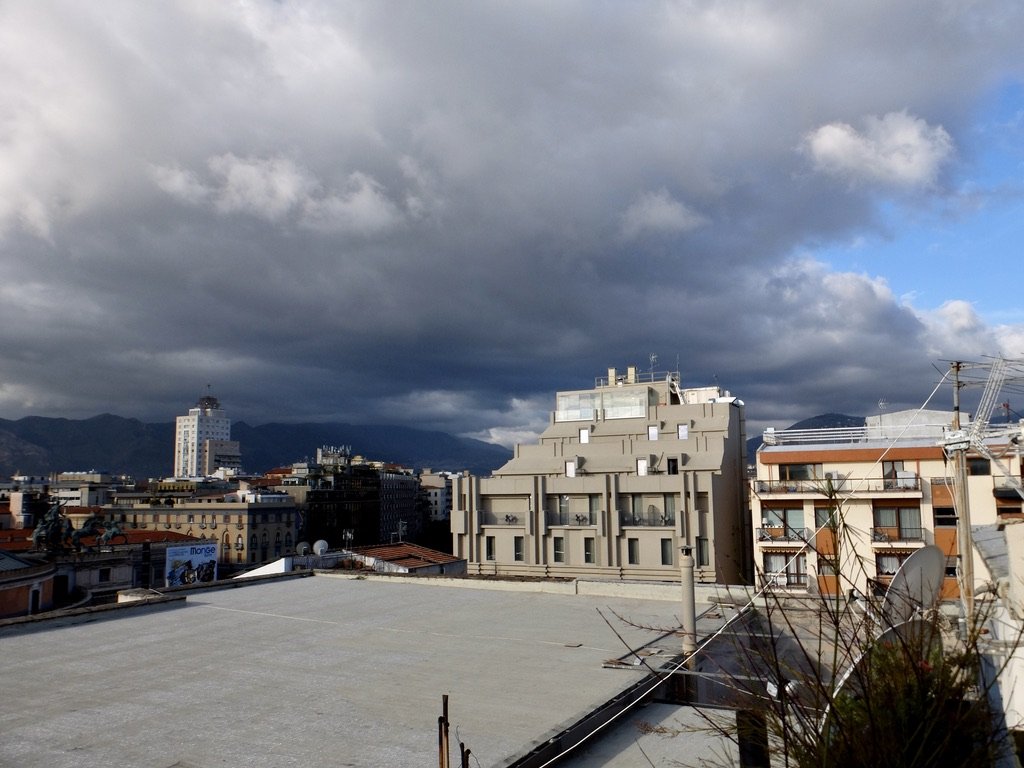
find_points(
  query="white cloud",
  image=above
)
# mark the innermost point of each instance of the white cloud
(957, 331)
(658, 213)
(277, 189)
(269, 188)
(363, 208)
(179, 183)
(896, 149)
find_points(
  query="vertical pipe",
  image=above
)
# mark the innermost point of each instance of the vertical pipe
(689, 610)
(686, 691)
(445, 753)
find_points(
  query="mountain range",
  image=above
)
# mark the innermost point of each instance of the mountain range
(37, 445)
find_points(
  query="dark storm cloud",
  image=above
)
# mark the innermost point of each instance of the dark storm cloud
(439, 214)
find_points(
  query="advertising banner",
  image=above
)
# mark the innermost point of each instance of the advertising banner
(191, 563)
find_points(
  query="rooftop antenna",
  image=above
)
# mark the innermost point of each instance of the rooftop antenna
(654, 359)
(883, 404)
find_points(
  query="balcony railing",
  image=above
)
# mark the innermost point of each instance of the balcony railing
(498, 518)
(570, 518)
(648, 519)
(784, 580)
(886, 533)
(846, 484)
(780, 535)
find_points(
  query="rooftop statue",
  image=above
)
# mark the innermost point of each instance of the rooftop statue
(54, 532)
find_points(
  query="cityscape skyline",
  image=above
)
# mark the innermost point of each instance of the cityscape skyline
(438, 216)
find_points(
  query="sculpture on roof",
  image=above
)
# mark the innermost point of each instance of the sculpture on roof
(54, 532)
(104, 530)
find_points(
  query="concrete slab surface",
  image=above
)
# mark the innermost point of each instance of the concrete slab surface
(308, 672)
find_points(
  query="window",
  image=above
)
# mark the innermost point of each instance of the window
(570, 468)
(897, 524)
(585, 435)
(945, 517)
(103, 576)
(576, 407)
(633, 551)
(558, 545)
(672, 466)
(890, 468)
(823, 518)
(886, 564)
(669, 518)
(783, 569)
(782, 523)
(799, 472)
(517, 549)
(683, 431)
(652, 432)
(489, 548)
(588, 549)
(978, 467)
(641, 467)
(666, 551)
(703, 556)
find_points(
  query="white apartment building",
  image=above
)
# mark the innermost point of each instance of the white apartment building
(895, 486)
(202, 441)
(625, 475)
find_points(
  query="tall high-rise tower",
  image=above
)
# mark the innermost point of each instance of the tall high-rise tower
(202, 441)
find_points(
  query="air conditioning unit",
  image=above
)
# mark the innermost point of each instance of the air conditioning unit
(836, 478)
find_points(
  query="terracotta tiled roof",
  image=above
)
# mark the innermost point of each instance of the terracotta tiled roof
(408, 555)
(20, 540)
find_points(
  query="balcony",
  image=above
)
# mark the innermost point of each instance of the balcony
(781, 535)
(648, 519)
(783, 580)
(496, 518)
(570, 518)
(857, 486)
(892, 534)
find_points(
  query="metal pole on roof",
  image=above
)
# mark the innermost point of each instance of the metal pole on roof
(688, 619)
(962, 502)
(689, 612)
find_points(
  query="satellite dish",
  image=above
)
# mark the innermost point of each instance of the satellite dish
(916, 584)
(920, 635)
(319, 547)
(303, 548)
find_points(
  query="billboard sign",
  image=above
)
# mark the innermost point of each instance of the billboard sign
(191, 564)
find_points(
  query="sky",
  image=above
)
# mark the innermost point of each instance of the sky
(439, 214)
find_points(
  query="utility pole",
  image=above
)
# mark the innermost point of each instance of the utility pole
(962, 501)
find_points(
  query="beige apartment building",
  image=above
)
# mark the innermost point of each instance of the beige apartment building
(895, 486)
(626, 474)
(249, 526)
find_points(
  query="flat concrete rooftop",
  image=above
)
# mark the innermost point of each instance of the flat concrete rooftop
(319, 671)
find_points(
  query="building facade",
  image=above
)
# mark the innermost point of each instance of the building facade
(894, 487)
(625, 475)
(202, 441)
(250, 527)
